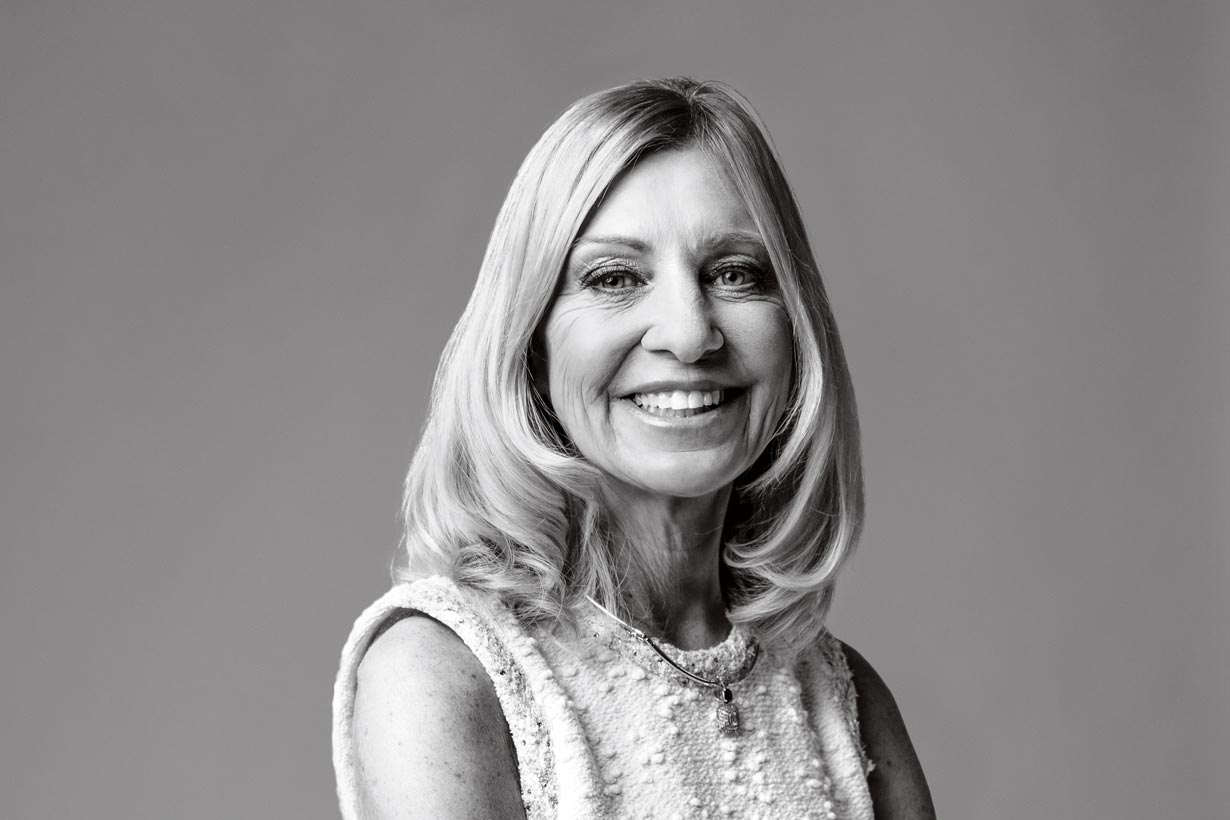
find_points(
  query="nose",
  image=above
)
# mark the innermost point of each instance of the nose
(681, 321)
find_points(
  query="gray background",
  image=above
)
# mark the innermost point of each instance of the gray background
(234, 236)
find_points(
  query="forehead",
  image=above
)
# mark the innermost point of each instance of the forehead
(669, 195)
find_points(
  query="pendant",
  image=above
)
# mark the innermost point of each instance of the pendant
(727, 714)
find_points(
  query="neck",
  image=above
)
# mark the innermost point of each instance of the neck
(671, 566)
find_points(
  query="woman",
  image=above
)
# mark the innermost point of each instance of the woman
(638, 482)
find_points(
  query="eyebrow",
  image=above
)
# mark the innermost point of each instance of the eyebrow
(723, 239)
(626, 241)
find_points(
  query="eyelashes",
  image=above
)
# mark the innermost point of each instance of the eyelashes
(743, 276)
(612, 277)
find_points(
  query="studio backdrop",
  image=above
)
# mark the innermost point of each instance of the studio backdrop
(234, 237)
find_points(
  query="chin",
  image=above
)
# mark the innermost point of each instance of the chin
(686, 475)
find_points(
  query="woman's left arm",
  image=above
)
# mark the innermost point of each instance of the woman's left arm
(898, 787)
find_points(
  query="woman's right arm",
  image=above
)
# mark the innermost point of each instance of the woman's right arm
(430, 735)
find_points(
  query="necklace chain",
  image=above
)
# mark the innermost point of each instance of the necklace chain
(727, 713)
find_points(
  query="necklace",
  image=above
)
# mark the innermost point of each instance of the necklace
(727, 713)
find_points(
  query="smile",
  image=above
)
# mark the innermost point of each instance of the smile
(679, 403)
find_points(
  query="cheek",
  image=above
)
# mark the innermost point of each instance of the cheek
(766, 344)
(582, 358)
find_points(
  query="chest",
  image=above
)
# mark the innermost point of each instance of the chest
(658, 751)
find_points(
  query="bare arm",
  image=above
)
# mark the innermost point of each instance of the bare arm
(430, 735)
(898, 787)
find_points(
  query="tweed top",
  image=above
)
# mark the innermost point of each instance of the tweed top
(603, 728)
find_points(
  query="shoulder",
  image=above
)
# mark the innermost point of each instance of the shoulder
(898, 787)
(429, 733)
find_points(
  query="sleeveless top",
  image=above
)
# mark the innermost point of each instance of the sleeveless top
(602, 728)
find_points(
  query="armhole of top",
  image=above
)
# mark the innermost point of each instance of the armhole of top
(832, 702)
(488, 639)
(836, 656)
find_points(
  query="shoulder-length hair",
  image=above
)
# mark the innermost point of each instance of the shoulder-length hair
(496, 496)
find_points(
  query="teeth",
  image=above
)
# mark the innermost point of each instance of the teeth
(679, 399)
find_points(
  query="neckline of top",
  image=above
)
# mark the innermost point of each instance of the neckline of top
(728, 659)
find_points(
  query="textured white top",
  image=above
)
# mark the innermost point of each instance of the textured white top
(603, 728)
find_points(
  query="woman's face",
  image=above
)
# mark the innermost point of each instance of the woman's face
(668, 348)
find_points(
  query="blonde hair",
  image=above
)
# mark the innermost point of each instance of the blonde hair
(498, 499)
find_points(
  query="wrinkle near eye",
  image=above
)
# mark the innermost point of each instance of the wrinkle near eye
(566, 314)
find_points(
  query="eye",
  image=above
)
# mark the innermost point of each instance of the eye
(733, 277)
(738, 276)
(614, 281)
(611, 278)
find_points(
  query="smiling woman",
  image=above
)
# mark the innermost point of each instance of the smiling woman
(638, 483)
